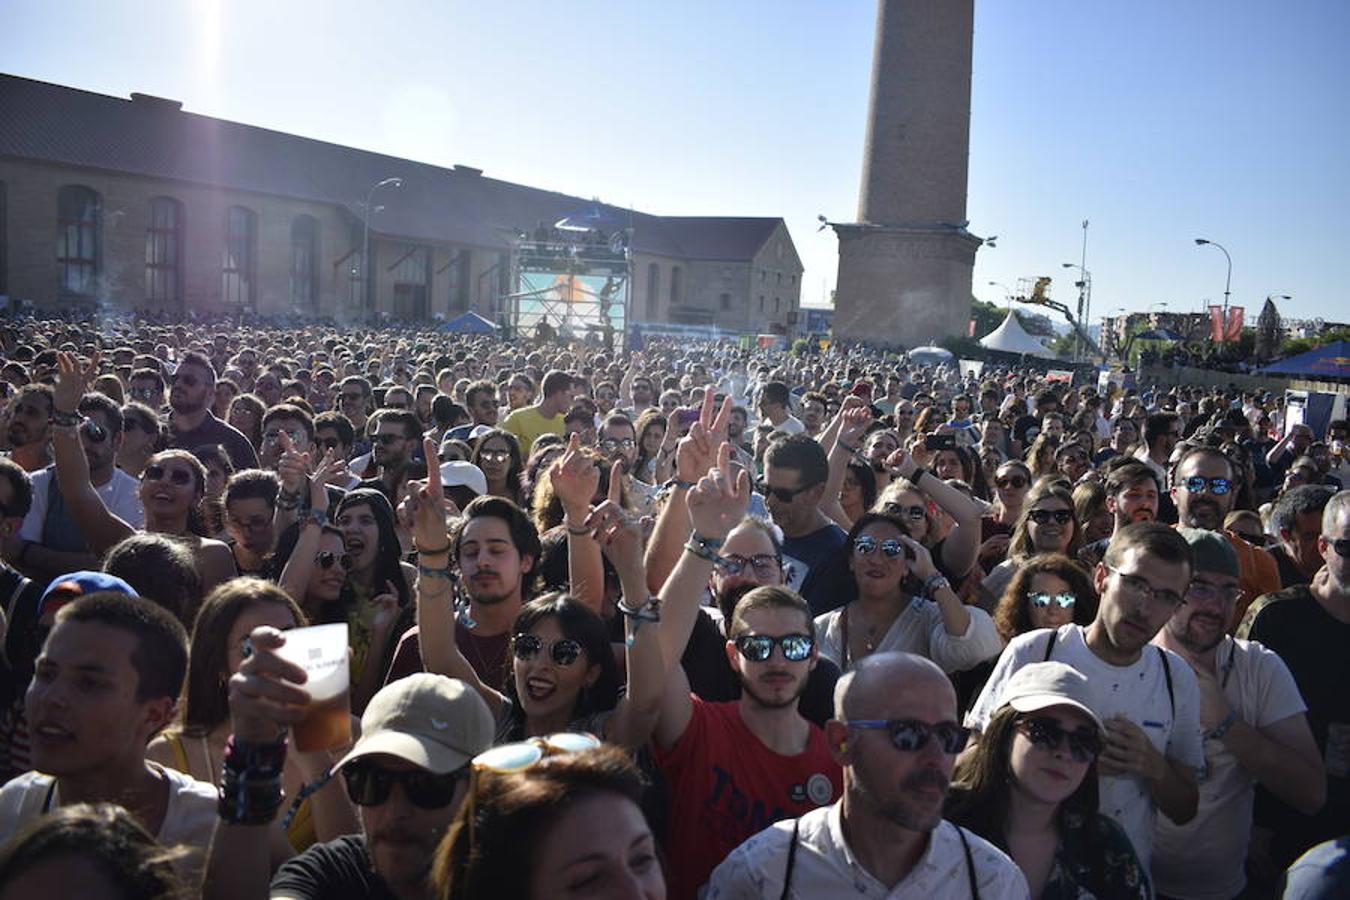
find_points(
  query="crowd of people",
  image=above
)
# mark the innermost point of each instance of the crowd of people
(695, 621)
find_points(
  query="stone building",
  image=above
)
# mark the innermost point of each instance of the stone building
(140, 205)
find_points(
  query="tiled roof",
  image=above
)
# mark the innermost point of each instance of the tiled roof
(154, 138)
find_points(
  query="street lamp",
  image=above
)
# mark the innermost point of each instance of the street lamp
(368, 291)
(1007, 291)
(1228, 281)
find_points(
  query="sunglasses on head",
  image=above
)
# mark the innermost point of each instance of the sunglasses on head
(1014, 482)
(759, 647)
(1198, 484)
(369, 785)
(1048, 734)
(1042, 601)
(1046, 516)
(565, 652)
(180, 477)
(326, 560)
(911, 735)
(867, 545)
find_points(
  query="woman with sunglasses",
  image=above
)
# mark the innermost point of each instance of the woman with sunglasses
(142, 438)
(497, 453)
(311, 562)
(195, 745)
(1048, 524)
(173, 484)
(653, 457)
(531, 830)
(563, 674)
(1012, 480)
(246, 414)
(895, 575)
(1048, 591)
(1030, 788)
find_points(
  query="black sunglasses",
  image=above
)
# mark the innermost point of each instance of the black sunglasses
(1048, 734)
(1013, 482)
(1045, 516)
(369, 785)
(1341, 546)
(327, 558)
(1197, 484)
(911, 735)
(179, 477)
(386, 439)
(565, 652)
(783, 495)
(913, 513)
(759, 647)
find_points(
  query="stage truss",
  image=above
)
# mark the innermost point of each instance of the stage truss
(578, 280)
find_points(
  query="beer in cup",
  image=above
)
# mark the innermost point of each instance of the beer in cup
(321, 650)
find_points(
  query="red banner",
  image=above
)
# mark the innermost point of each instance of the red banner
(1234, 331)
(970, 329)
(1216, 324)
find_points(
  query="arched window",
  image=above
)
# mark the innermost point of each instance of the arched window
(239, 267)
(674, 285)
(653, 290)
(412, 284)
(163, 252)
(304, 266)
(79, 237)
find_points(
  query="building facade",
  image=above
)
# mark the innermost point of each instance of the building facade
(136, 204)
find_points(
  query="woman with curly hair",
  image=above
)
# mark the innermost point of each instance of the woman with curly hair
(1048, 591)
(1030, 788)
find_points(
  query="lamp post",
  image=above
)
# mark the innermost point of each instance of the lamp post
(1084, 285)
(1007, 291)
(1228, 280)
(368, 287)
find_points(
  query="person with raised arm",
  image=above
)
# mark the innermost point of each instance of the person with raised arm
(564, 676)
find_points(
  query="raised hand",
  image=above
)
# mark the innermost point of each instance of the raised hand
(617, 530)
(721, 497)
(386, 609)
(292, 465)
(696, 452)
(921, 566)
(902, 463)
(575, 480)
(73, 378)
(426, 506)
(856, 420)
(265, 695)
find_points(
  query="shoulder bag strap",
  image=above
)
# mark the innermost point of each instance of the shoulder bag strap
(970, 864)
(792, 859)
(1050, 645)
(1167, 674)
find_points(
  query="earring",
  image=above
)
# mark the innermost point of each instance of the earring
(843, 746)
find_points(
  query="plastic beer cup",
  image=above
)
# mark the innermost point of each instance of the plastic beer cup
(321, 650)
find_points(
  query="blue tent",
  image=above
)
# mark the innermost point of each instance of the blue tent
(470, 323)
(1328, 361)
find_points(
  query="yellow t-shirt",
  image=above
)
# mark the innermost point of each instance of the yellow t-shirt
(528, 424)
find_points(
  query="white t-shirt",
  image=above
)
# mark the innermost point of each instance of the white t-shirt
(919, 629)
(189, 818)
(824, 866)
(1138, 691)
(121, 494)
(1204, 858)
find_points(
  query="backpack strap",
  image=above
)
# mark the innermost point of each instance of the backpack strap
(792, 859)
(13, 600)
(1167, 674)
(970, 864)
(1050, 646)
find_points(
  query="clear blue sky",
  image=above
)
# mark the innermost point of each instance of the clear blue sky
(1158, 120)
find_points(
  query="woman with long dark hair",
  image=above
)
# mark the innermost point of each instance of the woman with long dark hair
(651, 431)
(1030, 788)
(497, 454)
(1048, 524)
(196, 744)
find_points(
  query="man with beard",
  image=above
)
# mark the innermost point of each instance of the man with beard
(496, 548)
(1147, 696)
(50, 541)
(1308, 625)
(192, 424)
(1132, 493)
(1203, 490)
(1296, 520)
(408, 776)
(30, 421)
(1256, 731)
(735, 767)
(885, 836)
(396, 436)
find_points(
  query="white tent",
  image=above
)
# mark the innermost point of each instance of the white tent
(1011, 337)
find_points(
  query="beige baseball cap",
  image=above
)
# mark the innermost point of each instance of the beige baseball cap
(434, 722)
(1045, 684)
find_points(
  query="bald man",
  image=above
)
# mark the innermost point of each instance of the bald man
(896, 736)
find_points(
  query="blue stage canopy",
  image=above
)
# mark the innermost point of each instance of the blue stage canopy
(1328, 361)
(470, 323)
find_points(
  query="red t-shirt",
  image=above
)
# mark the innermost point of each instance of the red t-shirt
(726, 786)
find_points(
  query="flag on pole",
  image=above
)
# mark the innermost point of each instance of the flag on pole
(1216, 324)
(1234, 332)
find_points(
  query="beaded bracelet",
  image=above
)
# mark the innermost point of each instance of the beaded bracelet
(250, 782)
(437, 552)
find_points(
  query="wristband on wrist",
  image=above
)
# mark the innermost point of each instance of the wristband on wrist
(918, 473)
(287, 502)
(574, 531)
(436, 552)
(677, 483)
(250, 782)
(934, 583)
(317, 516)
(849, 447)
(1227, 723)
(66, 419)
(434, 572)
